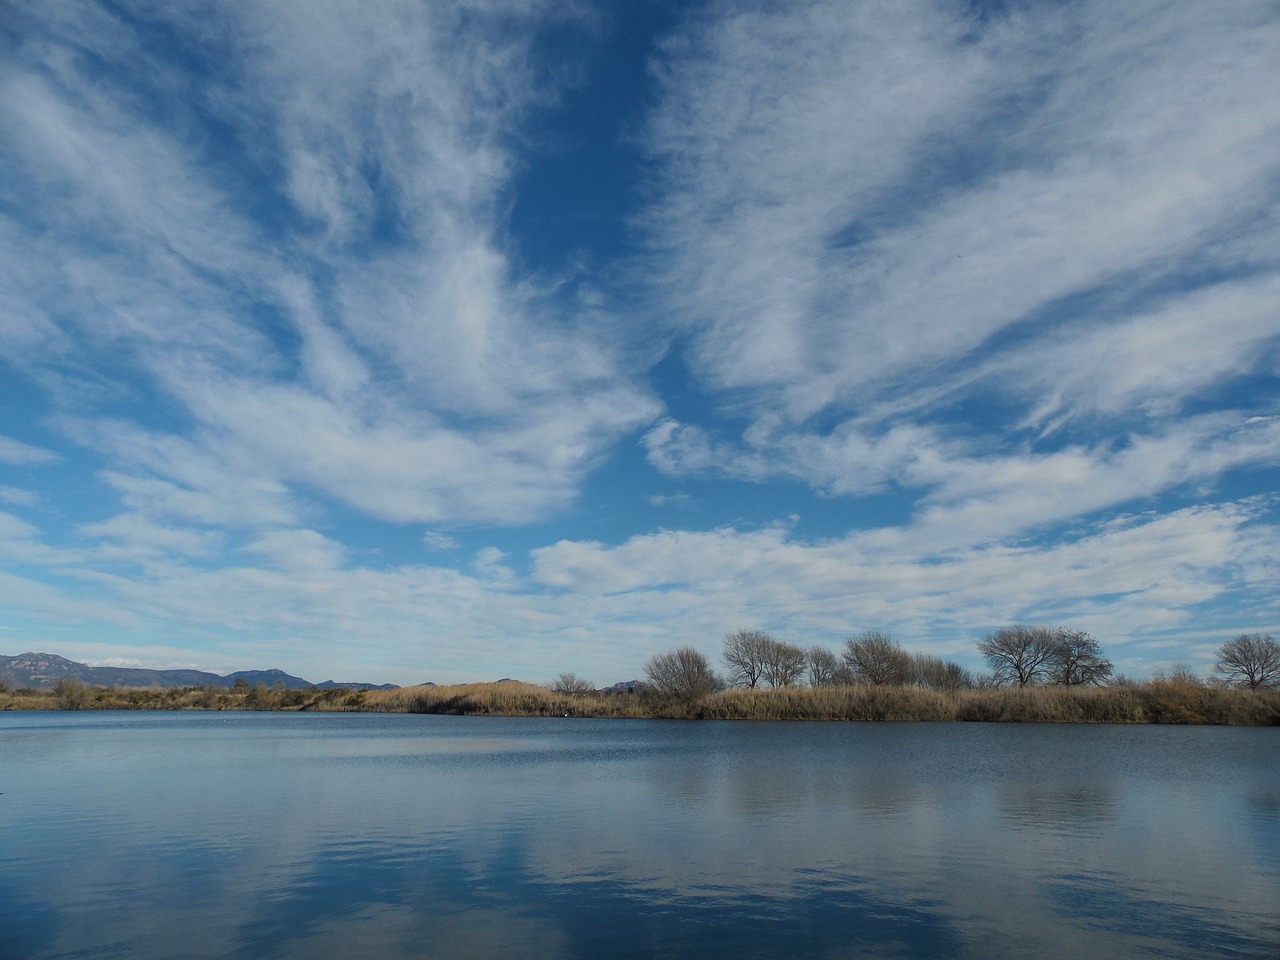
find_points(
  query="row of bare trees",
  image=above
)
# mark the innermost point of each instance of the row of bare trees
(755, 660)
(1017, 656)
(1029, 655)
(873, 658)
(1058, 655)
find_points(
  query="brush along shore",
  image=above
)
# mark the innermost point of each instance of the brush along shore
(1158, 701)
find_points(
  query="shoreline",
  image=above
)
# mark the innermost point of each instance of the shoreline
(1161, 701)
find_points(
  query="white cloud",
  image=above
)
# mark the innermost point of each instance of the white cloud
(196, 480)
(299, 550)
(678, 499)
(18, 496)
(412, 377)
(59, 610)
(1123, 579)
(23, 543)
(17, 453)
(977, 499)
(1022, 268)
(872, 213)
(436, 541)
(1155, 360)
(132, 538)
(602, 609)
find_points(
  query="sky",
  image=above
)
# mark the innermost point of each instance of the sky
(455, 340)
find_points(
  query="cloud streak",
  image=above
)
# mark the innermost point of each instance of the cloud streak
(980, 298)
(409, 375)
(869, 214)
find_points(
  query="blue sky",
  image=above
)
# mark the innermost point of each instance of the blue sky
(400, 341)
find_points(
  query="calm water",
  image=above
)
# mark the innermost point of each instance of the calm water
(285, 835)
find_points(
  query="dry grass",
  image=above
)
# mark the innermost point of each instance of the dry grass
(1157, 702)
(830, 703)
(28, 700)
(1160, 701)
(509, 699)
(83, 697)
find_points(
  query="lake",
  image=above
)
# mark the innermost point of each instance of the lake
(242, 835)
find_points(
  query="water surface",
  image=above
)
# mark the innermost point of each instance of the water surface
(154, 835)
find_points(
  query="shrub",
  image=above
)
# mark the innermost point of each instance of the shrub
(683, 675)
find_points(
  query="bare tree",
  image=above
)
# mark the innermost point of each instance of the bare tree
(875, 659)
(1180, 673)
(1250, 660)
(1020, 655)
(934, 673)
(1078, 660)
(821, 666)
(570, 684)
(683, 674)
(784, 664)
(71, 694)
(746, 652)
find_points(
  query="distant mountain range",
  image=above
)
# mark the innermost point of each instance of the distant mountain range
(42, 671)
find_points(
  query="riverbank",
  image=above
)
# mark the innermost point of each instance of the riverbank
(1159, 701)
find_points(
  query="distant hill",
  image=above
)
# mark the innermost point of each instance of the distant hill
(42, 671)
(627, 686)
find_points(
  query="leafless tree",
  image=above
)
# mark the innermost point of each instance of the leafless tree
(683, 674)
(1180, 673)
(934, 673)
(570, 684)
(746, 653)
(1021, 655)
(1078, 660)
(875, 659)
(821, 665)
(71, 694)
(784, 664)
(1250, 660)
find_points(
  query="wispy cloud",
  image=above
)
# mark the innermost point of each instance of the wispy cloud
(437, 541)
(680, 499)
(19, 454)
(874, 216)
(1131, 580)
(348, 325)
(1009, 269)
(18, 497)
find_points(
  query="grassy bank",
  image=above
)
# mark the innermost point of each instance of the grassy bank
(78, 696)
(1160, 701)
(1156, 702)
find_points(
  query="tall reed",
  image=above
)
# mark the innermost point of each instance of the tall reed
(508, 698)
(1176, 700)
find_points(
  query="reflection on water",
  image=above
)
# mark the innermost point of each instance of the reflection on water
(1080, 810)
(141, 836)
